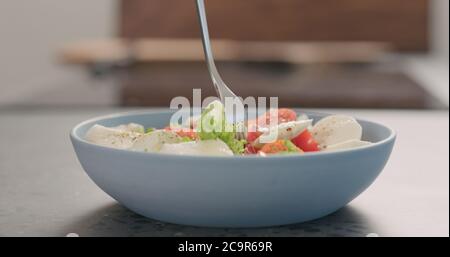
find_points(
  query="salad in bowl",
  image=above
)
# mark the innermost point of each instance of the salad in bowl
(278, 131)
(177, 173)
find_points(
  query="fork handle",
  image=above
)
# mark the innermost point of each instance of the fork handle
(221, 89)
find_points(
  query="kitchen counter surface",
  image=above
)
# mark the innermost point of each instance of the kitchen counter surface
(44, 191)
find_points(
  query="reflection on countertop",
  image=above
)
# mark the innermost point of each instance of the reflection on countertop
(116, 220)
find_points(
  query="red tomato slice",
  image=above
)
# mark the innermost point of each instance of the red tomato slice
(250, 149)
(252, 131)
(252, 136)
(306, 142)
(188, 133)
(183, 132)
(284, 115)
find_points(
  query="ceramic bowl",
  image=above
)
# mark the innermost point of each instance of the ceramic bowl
(238, 191)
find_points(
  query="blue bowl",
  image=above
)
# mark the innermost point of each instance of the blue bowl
(237, 191)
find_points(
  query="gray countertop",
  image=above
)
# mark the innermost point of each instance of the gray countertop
(44, 191)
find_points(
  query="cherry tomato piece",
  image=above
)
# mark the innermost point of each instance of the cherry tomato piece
(284, 115)
(306, 142)
(250, 149)
(275, 147)
(190, 133)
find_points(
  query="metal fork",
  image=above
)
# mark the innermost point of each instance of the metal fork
(221, 88)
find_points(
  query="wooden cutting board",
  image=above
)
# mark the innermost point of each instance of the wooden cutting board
(185, 50)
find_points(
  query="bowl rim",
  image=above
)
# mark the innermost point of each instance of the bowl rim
(75, 137)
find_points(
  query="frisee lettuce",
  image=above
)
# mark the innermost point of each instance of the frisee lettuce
(186, 139)
(149, 130)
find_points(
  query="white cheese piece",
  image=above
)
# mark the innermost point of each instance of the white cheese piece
(131, 127)
(346, 145)
(152, 142)
(336, 129)
(111, 137)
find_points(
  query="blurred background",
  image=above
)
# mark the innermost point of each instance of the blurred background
(311, 53)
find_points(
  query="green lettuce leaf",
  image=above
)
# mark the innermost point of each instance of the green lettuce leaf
(213, 125)
(290, 146)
